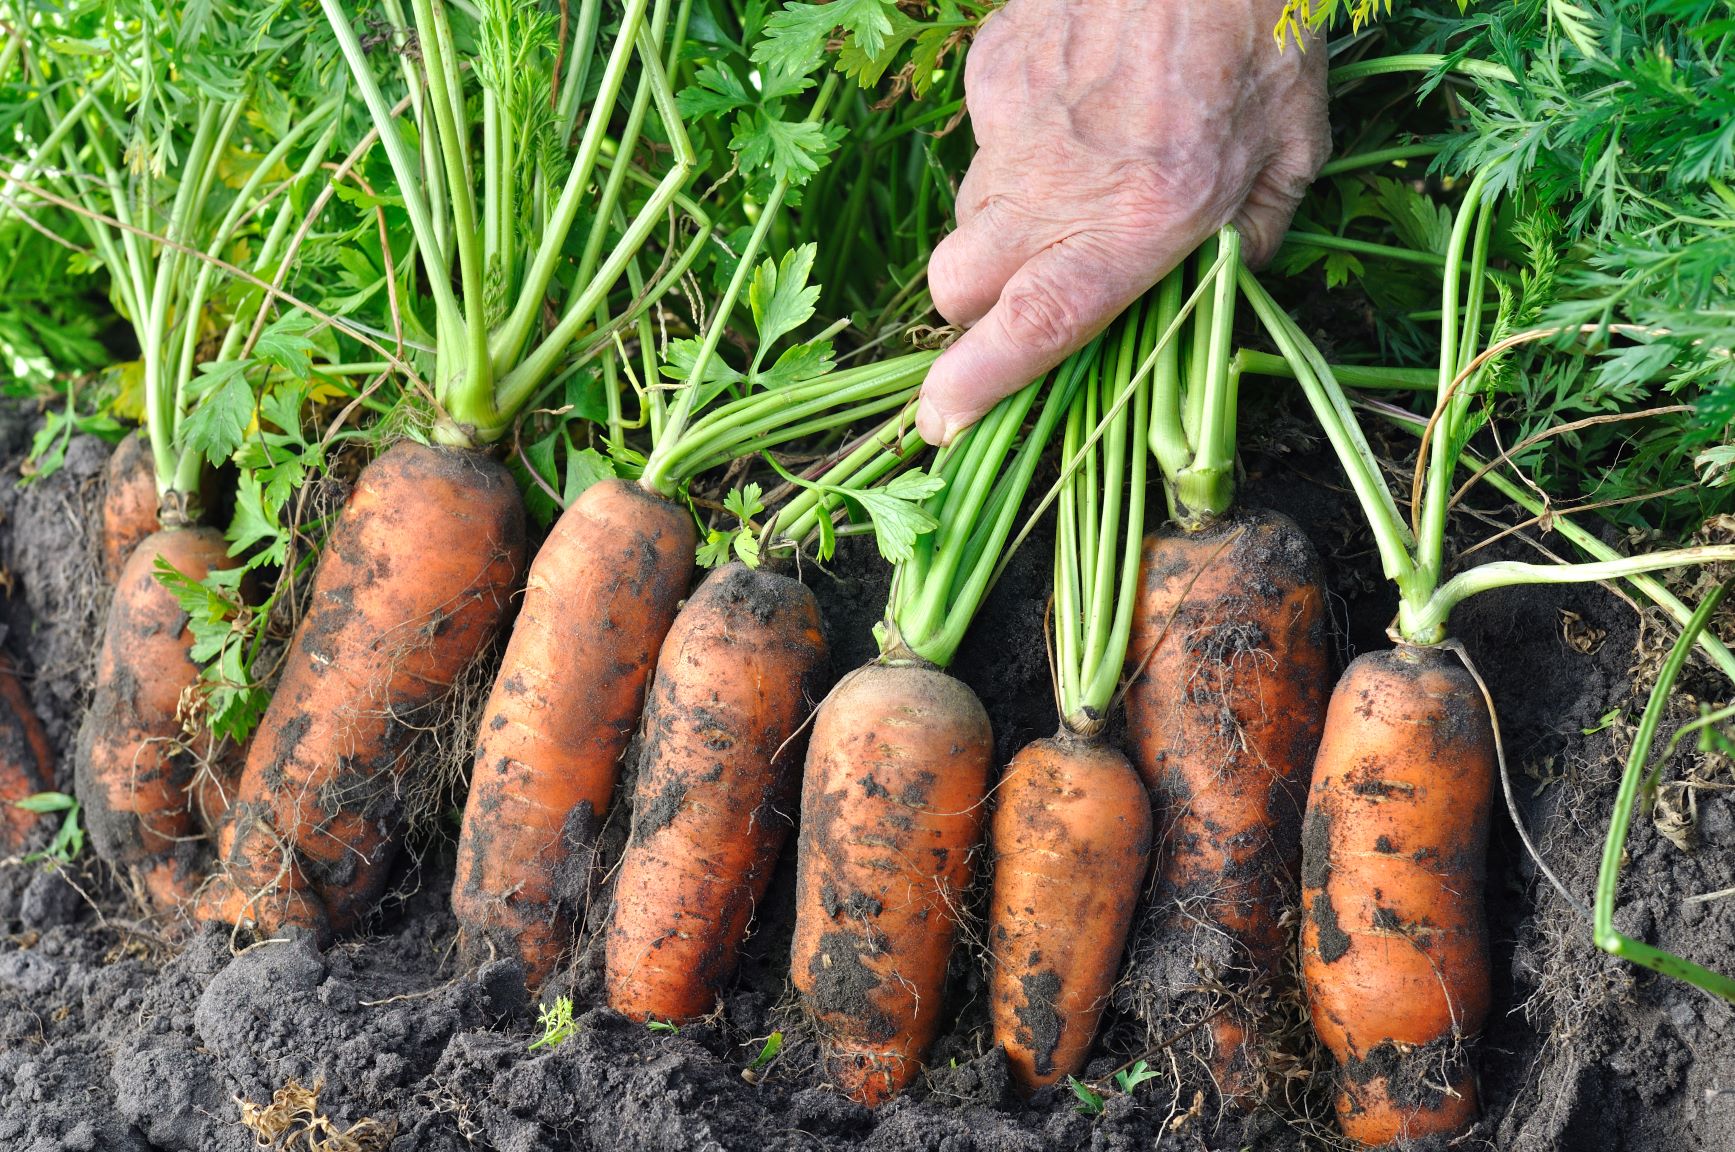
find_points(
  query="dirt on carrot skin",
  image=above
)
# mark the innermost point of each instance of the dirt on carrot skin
(119, 1034)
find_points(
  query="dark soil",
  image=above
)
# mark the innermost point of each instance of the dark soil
(120, 1034)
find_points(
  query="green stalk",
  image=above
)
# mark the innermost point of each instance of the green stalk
(1097, 630)
(1169, 441)
(1376, 158)
(1418, 62)
(514, 333)
(929, 611)
(765, 419)
(1608, 938)
(1204, 490)
(1369, 377)
(1332, 410)
(1426, 623)
(1652, 589)
(1451, 406)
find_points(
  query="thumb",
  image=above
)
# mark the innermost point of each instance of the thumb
(1050, 308)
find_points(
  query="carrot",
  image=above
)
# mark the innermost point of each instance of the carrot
(1071, 831)
(129, 502)
(414, 582)
(601, 596)
(738, 674)
(1222, 726)
(1071, 834)
(894, 794)
(891, 813)
(1394, 948)
(131, 768)
(26, 760)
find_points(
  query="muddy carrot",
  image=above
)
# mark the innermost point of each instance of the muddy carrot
(1232, 673)
(132, 769)
(601, 596)
(744, 664)
(1394, 948)
(415, 581)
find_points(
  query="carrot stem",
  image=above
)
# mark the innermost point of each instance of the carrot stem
(1608, 938)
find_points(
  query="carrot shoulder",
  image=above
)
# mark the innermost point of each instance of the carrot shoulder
(131, 768)
(1394, 948)
(602, 594)
(892, 810)
(717, 786)
(1223, 725)
(415, 580)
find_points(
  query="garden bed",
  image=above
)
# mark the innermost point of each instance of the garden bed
(121, 1033)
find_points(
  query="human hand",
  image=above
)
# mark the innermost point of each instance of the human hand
(1114, 136)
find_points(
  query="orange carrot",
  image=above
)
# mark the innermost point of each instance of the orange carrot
(891, 813)
(131, 769)
(1394, 948)
(602, 594)
(740, 671)
(1071, 825)
(129, 502)
(1223, 725)
(415, 581)
(26, 760)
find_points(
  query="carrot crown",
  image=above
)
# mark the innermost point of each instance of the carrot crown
(164, 195)
(987, 470)
(1101, 516)
(501, 223)
(1194, 402)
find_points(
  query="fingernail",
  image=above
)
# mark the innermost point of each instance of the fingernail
(935, 427)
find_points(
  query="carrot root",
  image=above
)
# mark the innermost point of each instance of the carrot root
(892, 810)
(741, 669)
(26, 760)
(602, 594)
(132, 769)
(415, 581)
(1071, 835)
(129, 502)
(1394, 946)
(1223, 725)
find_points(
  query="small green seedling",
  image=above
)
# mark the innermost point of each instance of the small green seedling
(1089, 1099)
(767, 1053)
(1130, 1078)
(663, 1027)
(557, 1024)
(69, 841)
(1606, 719)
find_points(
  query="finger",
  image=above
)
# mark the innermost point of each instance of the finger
(969, 268)
(1051, 307)
(1304, 137)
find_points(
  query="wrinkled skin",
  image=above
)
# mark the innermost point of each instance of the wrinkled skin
(1114, 136)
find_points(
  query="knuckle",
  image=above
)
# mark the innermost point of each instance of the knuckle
(1039, 314)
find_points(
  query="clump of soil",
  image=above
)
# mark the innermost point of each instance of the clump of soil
(124, 1035)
